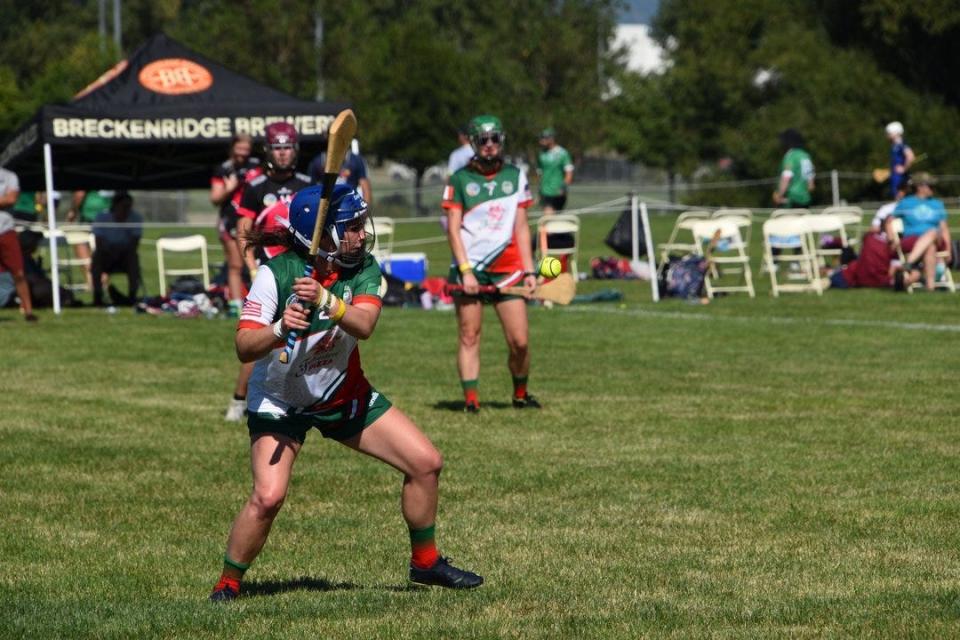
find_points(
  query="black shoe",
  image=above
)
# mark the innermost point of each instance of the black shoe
(471, 407)
(526, 402)
(30, 317)
(223, 592)
(444, 574)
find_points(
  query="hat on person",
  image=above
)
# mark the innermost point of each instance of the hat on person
(922, 177)
(549, 132)
(894, 129)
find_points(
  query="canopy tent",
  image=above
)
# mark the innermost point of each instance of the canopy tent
(159, 120)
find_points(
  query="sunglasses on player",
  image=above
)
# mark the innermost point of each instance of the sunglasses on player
(492, 138)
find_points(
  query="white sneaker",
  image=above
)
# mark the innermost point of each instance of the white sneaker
(235, 410)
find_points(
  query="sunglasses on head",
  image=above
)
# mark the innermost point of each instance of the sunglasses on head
(489, 137)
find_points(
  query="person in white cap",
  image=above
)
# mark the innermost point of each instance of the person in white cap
(901, 157)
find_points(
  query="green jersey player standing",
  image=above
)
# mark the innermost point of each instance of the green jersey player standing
(486, 204)
(796, 173)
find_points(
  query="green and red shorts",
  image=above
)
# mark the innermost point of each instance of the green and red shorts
(340, 423)
(485, 278)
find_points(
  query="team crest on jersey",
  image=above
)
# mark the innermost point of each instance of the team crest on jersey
(269, 200)
(507, 186)
(347, 295)
(473, 189)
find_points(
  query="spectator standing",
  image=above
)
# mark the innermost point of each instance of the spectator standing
(555, 167)
(353, 172)
(226, 191)
(796, 172)
(11, 258)
(901, 157)
(117, 233)
(486, 204)
(461, 156)
(85, 206)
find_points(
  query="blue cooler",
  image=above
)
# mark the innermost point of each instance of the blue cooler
(410, 267)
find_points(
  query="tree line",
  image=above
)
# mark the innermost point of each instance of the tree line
(737, 72)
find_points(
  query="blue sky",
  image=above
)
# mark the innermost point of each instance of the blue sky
(639, 11)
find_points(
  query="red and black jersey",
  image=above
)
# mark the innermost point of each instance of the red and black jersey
(263, 192)
(265, 199)
(245, 172)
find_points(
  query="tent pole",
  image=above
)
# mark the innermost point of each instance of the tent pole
(52, 223)
(651, 252)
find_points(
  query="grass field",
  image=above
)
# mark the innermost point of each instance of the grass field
(752, 468)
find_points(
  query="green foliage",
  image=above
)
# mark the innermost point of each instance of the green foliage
(740, 71)
(419, 70)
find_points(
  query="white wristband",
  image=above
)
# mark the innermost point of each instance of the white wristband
(278, 328)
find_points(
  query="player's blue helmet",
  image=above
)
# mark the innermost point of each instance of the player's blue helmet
(347, 209)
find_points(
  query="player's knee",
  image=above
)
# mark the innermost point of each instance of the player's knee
(430, 463)
(266, 502)
(519, 347)
(470, 338)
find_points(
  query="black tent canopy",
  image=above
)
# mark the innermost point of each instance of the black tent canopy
(159, 120)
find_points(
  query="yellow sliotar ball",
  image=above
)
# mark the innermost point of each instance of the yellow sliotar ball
(550, 267)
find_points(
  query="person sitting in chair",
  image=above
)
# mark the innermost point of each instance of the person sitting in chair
(117, 233)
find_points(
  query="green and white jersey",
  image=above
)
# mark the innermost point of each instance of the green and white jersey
(324, 370)
(797, 166)
(489, 204)
(553, 165)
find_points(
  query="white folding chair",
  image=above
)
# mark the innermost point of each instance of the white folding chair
(788, 232)
(725, 247)
(827, 224)
(789, 213)
(383, 231)
(567, 224)
(70, 238)
(852, 219)
(944, 282)
(677, 243)
(744, 218)
(183, 245)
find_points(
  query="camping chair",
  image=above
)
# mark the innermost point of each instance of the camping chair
(824, 224)
(724, 247)
(183, 245)
(383, 230)
(944, 282)
(786, 232)
(852, 219)
(675, 243)
(567, 224)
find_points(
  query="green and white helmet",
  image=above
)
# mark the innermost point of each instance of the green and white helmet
(483, 127)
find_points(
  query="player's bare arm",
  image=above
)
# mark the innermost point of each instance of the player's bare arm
(455, 220)
(521, 232)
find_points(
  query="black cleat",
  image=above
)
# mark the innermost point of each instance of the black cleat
(526, 402)
(224, 592)
(471, 407)
(444, 574)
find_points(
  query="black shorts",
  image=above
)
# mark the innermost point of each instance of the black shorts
(557, 202)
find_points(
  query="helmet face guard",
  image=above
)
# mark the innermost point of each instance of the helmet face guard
(280, 135)
(483, 129)
(347, 214)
